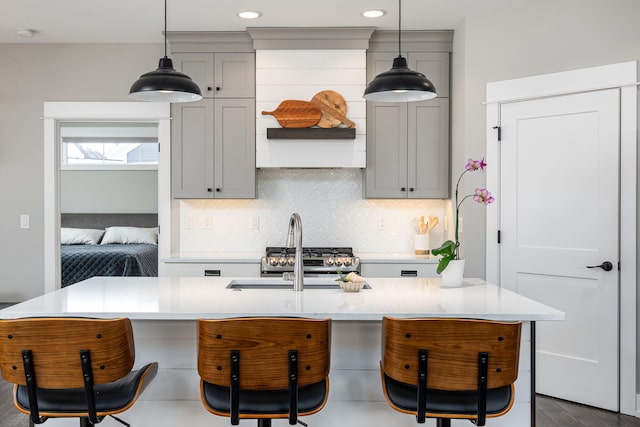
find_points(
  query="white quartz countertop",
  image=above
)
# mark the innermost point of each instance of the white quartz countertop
(182, 298)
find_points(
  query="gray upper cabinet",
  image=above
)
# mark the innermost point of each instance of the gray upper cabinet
(213, 149)
(219, 75)
(408, 143)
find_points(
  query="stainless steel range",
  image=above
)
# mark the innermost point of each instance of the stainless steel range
(316, 261)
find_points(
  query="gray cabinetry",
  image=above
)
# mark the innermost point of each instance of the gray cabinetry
(213, 149)
(220, 75)
(408, 143)
(388, 269)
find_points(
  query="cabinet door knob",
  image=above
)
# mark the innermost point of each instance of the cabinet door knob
(410, 188)
(217, 87)
(403, 189)
(209, 88)
(218, 190)
(209, 190)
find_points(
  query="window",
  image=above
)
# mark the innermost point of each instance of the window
(109, 145)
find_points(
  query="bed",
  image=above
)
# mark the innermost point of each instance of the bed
(108, 245)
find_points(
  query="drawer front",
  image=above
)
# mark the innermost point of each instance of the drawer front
(211, 269)
(398, 270)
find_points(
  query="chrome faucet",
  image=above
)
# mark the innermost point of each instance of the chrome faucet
(295, 229)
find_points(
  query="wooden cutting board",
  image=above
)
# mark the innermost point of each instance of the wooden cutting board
(333, 108)
(296, 114)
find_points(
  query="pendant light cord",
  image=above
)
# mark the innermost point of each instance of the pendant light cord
(165, 28)
(399, 27)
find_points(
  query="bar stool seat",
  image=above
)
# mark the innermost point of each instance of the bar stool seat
(72, 367)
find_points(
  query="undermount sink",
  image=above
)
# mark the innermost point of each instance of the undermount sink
(309, 283)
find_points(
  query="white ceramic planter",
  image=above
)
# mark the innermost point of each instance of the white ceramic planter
(453, 274)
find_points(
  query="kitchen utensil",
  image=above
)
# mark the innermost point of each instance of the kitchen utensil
(296, 114)
(433, 221)
(333, 108)
(422, 227)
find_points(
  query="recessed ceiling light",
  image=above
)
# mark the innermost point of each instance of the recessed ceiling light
(377, 13)
(250, 14)
(25, 32)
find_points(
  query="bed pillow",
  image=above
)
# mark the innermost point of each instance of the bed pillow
(80, 236)
(130, 235)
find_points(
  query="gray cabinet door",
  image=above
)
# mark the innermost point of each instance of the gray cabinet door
(435, 66)
(428, 149)
(386, 172)
(408, 143)
(234, 75)
(220, 75)
(198, 66)
(192, 150)
(235, 149)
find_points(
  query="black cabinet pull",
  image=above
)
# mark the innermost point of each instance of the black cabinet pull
(218, 190)
(410, 188)
(217, 87)
(209, 190)
(213, 273)
(408, 273)
(403, 189)
(209, 88)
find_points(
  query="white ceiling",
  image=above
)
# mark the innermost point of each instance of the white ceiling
(141, 21)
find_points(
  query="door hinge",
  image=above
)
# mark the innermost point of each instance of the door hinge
(499, 132)
(158, 147)
(498, 236)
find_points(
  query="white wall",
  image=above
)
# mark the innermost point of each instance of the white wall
(31, 74)
(109, 191)
(529, 38)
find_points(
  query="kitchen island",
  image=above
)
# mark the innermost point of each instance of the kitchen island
(163, 312)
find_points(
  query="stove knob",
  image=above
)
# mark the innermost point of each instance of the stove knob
(347, 262)
(338, 262)
(291, 260)
(282, 261)
(330, 261)
(273, 261)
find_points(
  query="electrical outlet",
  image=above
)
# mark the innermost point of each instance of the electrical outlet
(207, 222)
(382, 224)
(255, 223)
(24, 221)
(188, 223)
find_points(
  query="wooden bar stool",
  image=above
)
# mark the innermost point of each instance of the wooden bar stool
(449, 368)
(264, 368)
(72, 367)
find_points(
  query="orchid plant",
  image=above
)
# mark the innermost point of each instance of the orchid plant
(449, 250)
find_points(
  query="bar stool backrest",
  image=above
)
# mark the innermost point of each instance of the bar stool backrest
(453, 346)
(264, 344)
(55, 345)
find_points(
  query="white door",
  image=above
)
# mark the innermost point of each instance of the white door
(559, 179)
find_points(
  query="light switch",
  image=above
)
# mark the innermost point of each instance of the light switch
(24, 221)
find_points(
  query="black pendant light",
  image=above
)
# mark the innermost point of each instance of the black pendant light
(165, 83)
(399, 84)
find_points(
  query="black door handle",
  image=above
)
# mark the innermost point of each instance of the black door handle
(606, 266)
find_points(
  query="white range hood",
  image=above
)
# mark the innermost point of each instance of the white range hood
(296, 64)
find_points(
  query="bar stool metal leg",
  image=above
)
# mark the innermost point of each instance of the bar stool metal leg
(443, 422)
(264, 422)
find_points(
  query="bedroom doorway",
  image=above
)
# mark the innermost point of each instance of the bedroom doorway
(98, 162)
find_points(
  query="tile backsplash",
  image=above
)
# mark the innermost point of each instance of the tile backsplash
(330, 203)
